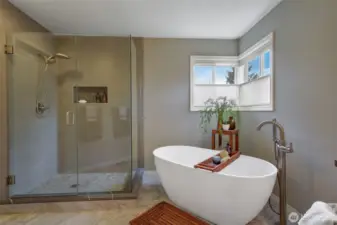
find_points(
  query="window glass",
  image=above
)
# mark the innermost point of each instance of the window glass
(224, 75)
(254, 70)
(203, 74)
(267, 67)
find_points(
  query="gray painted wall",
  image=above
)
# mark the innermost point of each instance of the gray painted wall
(306, 67)
(168, 120)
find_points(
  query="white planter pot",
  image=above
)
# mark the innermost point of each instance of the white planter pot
(225, 126)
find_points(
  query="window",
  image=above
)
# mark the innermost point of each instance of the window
(212, 77)
(266, 63)
(247, 79)
(224, 75)
(254, 68)
(259, 66)
(203, 74)
(256, 86)
(208, 74)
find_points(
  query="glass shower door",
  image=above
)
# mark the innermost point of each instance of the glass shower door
(72, 103)
(36, 157)
(104, 115)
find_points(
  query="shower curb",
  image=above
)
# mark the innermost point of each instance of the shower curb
(69, 203)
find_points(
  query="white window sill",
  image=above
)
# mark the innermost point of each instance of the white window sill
(262, 107)
(217, 85)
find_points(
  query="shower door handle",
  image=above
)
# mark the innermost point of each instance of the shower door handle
(70, 116)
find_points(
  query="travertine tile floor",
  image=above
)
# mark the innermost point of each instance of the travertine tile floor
(117, 212)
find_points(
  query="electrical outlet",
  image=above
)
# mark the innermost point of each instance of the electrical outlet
(335, 163)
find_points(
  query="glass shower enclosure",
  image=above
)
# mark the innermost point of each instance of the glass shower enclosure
(73, 115)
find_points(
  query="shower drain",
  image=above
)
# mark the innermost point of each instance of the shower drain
(74, 185)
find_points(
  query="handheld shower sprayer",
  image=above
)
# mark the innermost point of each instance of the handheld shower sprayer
(41, 95)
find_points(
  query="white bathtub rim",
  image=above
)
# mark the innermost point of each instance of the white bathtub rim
(220, 173)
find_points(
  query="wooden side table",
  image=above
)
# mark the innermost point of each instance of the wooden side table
(231, 134)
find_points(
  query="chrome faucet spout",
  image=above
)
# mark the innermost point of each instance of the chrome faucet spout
(273, 122)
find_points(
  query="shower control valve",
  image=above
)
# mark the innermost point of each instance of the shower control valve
(286, 149)
(41, 108)
(278, 141)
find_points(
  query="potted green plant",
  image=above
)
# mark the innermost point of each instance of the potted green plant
(221, 107)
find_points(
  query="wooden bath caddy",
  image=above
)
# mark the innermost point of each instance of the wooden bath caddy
(209, 165)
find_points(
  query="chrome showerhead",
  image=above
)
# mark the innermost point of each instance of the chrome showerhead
(61, 56)
(52, 59)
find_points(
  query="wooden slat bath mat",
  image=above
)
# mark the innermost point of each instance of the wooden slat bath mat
(166, 214)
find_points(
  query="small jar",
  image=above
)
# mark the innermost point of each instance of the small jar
(231, 123)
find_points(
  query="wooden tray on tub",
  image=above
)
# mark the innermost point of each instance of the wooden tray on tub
(209, 165)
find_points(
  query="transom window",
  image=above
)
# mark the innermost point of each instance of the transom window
(254, 68)
(208, 74)
(267, 63)
(259, 66)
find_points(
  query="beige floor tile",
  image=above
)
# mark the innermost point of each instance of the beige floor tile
(118, 212)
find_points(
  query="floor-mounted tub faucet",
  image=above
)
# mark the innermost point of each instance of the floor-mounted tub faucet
(280, 150)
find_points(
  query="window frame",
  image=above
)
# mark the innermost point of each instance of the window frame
(210, 61)
(260, 48)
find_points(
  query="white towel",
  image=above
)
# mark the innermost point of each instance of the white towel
(320, 213)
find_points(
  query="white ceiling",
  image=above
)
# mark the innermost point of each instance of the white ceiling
(227, 19)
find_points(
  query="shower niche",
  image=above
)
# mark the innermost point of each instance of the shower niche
(90, 94)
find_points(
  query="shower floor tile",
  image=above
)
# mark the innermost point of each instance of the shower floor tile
(88, 182)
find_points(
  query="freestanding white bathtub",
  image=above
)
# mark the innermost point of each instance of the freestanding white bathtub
(233, 196)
